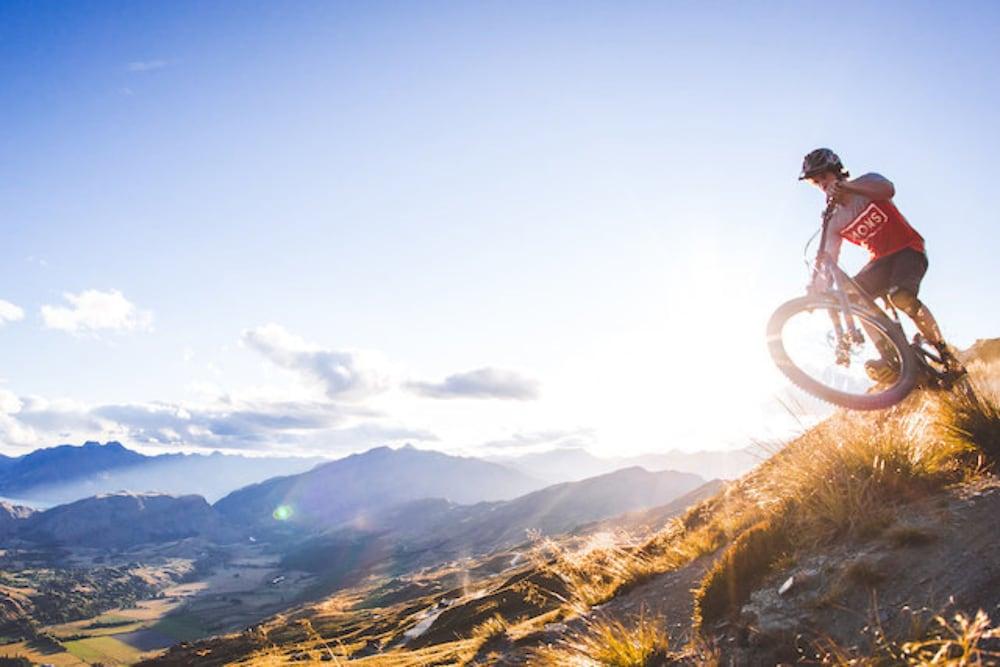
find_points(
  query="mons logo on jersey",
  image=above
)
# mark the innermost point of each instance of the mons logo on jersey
(866, 225)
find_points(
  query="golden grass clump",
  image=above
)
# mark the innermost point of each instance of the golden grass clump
(609, 643)
(610, 564)
(740, 569)
(598, 570)
(961, 642)
(491, 630)
(971, 417)
(956, 643)
(845, 476)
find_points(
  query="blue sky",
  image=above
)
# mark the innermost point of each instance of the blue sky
(319, 227)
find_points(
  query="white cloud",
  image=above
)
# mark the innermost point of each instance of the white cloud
(9, 402)
(480, 383)
(539, 441)
(12, 430)
(92, 311)
(313, 427)
(146, 65)
(10, 312)
(344, 374)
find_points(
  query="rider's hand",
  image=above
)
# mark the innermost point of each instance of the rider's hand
(838, 191)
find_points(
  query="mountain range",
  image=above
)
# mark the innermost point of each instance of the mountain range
(402, 500)
(362, 484)
(572, 463)
(432, 531)
(124, 519)
(66, 473)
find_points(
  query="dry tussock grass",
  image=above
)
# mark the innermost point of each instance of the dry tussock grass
(845, 478)
(970, 415)
(596, 571)
(956, 643)
(611, 564)
(609, 643)
(959, 642)
(491, 630)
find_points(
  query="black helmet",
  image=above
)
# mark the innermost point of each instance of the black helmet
(820, 160)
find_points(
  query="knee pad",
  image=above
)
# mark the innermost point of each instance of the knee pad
(906, 301)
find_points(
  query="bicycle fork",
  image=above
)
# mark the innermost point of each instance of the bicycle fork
(844, 327)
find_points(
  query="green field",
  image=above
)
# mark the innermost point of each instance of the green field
(103, 649)
(182, 626)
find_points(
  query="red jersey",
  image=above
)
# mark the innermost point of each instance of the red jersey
(882, 230)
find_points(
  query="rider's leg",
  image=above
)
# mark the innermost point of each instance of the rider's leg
(907, 302)
(876, 280)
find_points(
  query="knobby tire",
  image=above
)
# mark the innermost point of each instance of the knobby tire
(908, 372)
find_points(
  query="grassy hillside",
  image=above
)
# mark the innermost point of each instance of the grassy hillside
(841, 507)
(868, 540)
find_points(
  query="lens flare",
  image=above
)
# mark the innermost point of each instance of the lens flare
(283, 512)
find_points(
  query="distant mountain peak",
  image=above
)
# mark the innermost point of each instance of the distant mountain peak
(111, 444)
(335, 491)
(125, 493)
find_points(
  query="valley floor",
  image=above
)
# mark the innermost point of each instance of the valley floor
(247, 586)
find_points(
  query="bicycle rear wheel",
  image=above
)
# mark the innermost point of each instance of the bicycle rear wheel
(803, 344)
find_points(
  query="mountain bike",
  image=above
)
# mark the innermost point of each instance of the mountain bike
(821, 342)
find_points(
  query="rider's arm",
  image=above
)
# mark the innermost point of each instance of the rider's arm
(872, 186)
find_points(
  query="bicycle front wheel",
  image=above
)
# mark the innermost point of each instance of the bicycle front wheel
(803, 343)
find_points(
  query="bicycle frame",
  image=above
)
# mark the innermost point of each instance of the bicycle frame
(847, 292)
(849, 296)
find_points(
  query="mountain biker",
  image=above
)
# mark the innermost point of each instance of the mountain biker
(862, 212)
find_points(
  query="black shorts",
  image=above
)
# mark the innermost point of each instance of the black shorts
(900, 270)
